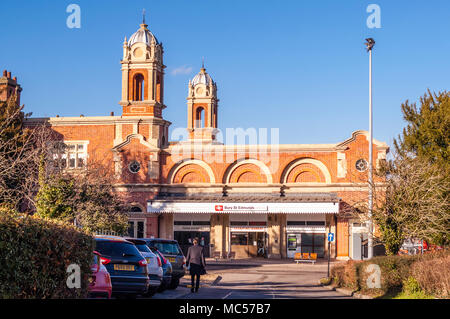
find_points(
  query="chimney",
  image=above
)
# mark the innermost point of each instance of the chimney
(112, 113)
(5, 73)
(9, 75)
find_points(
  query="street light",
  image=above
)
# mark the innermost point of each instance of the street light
(370, 44)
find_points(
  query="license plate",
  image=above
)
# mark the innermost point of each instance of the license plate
(124, 267)
(171, 259)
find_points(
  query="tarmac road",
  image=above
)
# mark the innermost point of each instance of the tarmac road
(265, 281)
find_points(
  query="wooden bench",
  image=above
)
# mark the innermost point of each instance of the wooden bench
(306, 257)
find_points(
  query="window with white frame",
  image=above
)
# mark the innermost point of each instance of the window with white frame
(71, 154)
(136, 228)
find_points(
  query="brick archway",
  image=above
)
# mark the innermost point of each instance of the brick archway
(247, 171)
(191, 171)
(313, 171)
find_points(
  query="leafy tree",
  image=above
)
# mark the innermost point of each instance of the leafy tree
(86, 197)
(427, 134)
(416, 195)
(55, 198)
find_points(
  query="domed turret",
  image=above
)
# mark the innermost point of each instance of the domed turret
(202, 78)
(143, 35)
(202, 108)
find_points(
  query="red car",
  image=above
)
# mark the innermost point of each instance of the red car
(99, 281)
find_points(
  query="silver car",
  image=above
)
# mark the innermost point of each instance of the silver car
(154, 265)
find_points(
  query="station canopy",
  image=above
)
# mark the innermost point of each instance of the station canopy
(317, 203)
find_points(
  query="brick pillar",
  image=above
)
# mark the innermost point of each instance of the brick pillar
(219, 232)
(283, 236)
(274, 230)
(226, 245)
(166, 226)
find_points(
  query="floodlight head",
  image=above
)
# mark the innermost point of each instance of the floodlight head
(370, 43)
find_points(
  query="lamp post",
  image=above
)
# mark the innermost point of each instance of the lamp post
(370, 43)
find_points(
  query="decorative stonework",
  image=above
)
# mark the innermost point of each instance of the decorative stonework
(341, 165)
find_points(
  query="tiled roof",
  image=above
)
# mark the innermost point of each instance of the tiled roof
(250, 198)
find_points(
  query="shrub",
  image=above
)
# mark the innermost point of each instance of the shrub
(394, 271)
(433, 274)
(35, 254)
(411, 286)
(346, 275)
(419, 276)
(337, 274)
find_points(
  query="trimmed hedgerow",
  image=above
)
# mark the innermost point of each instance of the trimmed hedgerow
(35, 254)
(394, 271)
(430, 271)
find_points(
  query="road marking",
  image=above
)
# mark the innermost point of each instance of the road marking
(227, 295)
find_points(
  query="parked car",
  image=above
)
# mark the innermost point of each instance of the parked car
(172, 251)
(100, 280)
(167, 270)
(125, 264)
(154, 265)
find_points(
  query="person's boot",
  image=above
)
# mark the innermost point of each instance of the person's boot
(192, 289)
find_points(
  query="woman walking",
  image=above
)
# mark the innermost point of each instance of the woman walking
(196, 261)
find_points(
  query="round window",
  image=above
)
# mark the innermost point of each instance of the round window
(361, 165)
(134, 167)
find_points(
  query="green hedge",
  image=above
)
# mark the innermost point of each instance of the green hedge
(35, 254)
(394, 271)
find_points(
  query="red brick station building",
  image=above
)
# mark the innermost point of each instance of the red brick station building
(254, 200)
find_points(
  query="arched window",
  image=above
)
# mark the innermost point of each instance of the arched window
(139, 87)
(199, 117)
(158, 89)
(135, 209)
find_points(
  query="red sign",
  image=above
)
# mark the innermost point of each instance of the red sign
(219, 208)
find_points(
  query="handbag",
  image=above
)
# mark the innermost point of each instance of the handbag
(203, 271)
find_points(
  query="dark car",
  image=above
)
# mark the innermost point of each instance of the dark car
(125, 264)
(172, 251)
(167, 270)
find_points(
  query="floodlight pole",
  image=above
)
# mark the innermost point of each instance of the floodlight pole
(370, 43)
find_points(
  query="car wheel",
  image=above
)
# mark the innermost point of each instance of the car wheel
(151, 292)
(161, 288)
(174, 283)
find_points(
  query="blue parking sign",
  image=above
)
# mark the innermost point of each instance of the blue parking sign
(330, 236)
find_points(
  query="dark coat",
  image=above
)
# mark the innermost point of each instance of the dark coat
(196, 260)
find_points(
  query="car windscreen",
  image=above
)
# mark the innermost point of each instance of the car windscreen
(116, 249)
(167, 248)
(143, 247)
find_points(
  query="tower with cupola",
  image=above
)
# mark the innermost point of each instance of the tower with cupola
(142, 75)
(202, 108)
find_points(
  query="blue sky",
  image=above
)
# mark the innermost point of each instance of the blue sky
(297, 65)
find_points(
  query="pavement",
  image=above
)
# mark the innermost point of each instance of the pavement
(257, 279)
